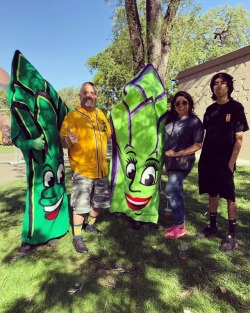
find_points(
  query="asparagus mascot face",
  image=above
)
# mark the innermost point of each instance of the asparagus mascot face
(37, 110)
(137, 138)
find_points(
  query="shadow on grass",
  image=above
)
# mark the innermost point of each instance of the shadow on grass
(12, 205)
(138, 271)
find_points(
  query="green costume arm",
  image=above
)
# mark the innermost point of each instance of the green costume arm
(37, 144)
(22, 143)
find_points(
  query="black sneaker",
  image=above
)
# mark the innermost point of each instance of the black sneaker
(228, 244)
(91, 228)
(52, 242)
(153, 226)
(26, 248)
(208, 232)
(136, 225)
(80, 245)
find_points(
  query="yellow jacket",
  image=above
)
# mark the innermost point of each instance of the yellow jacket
(88, 156)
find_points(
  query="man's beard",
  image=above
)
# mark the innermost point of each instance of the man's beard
(90, 103)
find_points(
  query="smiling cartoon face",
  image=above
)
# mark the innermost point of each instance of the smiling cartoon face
(52, 195)
(138, 127)
(46, 182)
(142, 176)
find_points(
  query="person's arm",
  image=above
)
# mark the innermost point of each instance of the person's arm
(69, 140)
(236, 150)
(240, 125)
(108, 128)
(26, 144)
(65, 142)
(197, 138)
(190, 150)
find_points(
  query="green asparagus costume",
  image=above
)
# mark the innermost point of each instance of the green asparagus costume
(37, 112)
(137, 140)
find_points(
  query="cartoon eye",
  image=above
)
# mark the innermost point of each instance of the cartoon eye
(60, 174)
(148, 176)
(49, 179)
(131, 169)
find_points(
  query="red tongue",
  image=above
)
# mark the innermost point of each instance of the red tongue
(51, 216)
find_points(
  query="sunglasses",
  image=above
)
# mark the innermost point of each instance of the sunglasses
(178, 103)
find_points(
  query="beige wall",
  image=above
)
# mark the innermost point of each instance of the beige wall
(196, 81)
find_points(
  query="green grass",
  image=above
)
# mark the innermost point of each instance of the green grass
(127, 271)
(6, 149)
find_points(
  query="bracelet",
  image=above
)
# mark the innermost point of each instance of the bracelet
(66, 140)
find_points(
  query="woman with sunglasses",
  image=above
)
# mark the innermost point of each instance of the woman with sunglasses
(184, 136)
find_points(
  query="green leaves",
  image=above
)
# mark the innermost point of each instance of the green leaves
(3, 100)
(192, 40)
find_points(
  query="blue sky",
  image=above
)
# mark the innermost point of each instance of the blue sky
(58, 36)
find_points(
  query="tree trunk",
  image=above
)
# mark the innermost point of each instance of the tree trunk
(154, 25)
(158, 34)
(166, 35)
(135, 34)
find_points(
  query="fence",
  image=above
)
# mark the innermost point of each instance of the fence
(11, 154)
(8, 152)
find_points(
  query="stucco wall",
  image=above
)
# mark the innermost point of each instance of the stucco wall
(196, 81)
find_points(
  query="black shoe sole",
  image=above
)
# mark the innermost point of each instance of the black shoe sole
(201, 234)
(25, 250)
(85, 251)
(136, 225)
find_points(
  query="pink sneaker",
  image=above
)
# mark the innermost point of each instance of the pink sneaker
(168, 230)
(175, 233)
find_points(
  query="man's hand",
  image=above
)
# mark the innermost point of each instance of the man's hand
(72, 137)
(39, 143)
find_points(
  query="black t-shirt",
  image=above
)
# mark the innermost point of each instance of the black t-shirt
(221, 122)
(183, 133)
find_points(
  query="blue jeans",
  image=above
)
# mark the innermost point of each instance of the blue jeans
(175, 194)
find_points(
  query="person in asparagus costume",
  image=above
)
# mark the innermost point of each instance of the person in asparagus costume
(138, 123)
(37, 113)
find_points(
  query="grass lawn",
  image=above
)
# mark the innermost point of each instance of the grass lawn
(128, 271)
(6, 149)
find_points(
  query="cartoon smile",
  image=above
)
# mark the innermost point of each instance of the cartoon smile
(53, 210)
(136, 203)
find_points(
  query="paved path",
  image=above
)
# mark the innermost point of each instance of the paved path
(15, 171)
(11, 172)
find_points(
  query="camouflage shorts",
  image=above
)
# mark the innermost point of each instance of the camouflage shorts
(89, 193)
